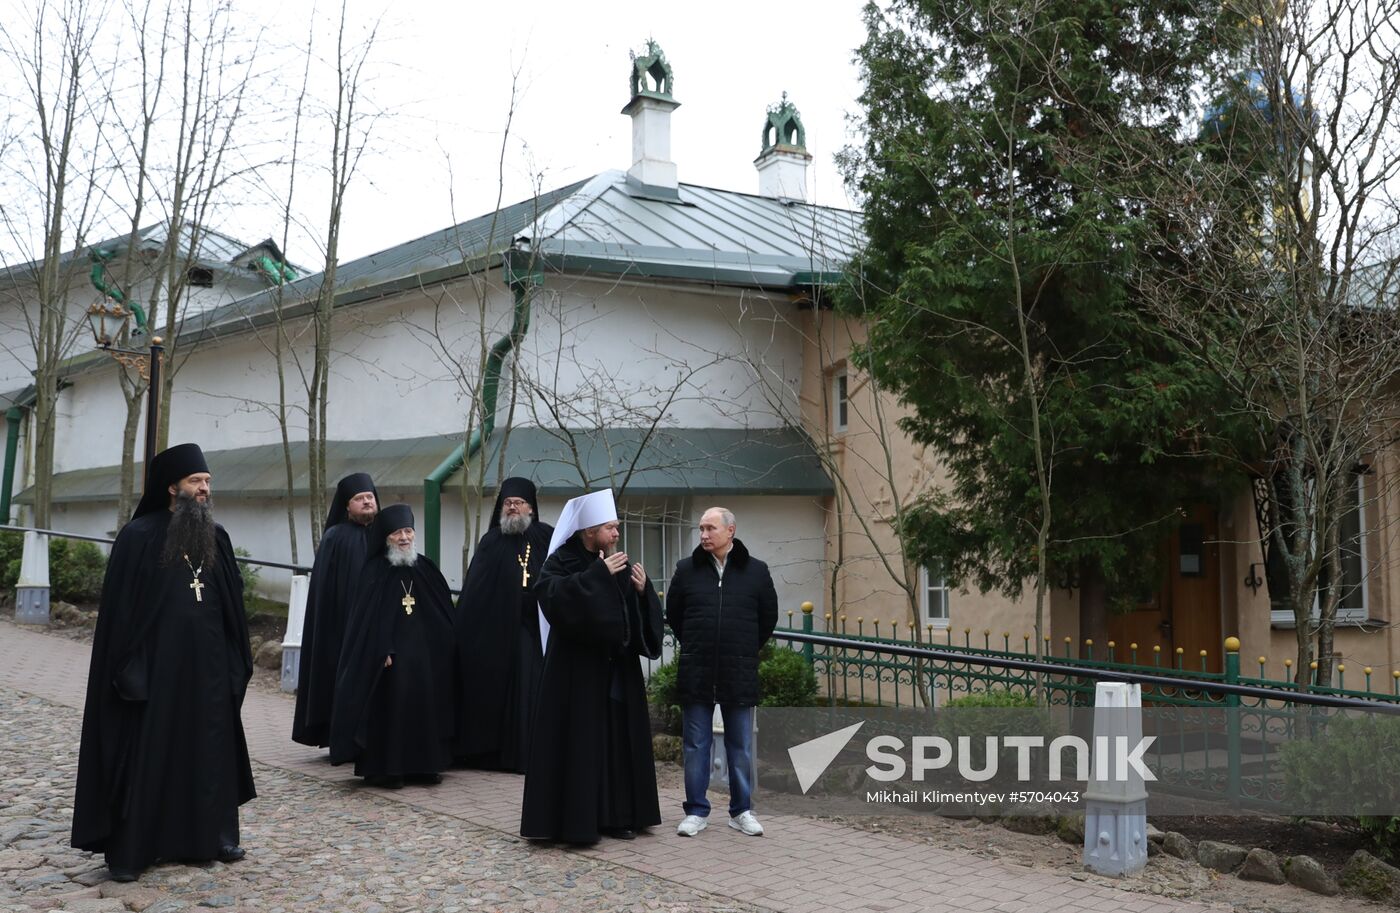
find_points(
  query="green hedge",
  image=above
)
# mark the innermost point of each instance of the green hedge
(1354, 756)
(784, 680)
(76, 568)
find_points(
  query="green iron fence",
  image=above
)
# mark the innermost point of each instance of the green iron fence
(1211, 743)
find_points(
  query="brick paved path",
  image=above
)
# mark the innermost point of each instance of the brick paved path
(802, 865)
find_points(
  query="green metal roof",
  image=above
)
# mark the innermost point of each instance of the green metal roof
(673, 462)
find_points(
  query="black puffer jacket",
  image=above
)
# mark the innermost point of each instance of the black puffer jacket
(721, 627)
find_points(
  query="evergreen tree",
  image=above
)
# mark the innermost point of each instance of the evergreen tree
(999, 278)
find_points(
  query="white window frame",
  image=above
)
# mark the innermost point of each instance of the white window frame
(840, 401)
(669, 515)
(924, 602)
(1353, 615)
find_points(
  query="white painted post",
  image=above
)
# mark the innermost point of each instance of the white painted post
(719, 761)
(1115, 807)
(291, 641)
(32, 588)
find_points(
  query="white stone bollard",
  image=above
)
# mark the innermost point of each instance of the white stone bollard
(291, 641)
(719, 761)
(1115, 802)
(32, 588)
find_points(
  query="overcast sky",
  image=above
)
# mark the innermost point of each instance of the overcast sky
(442, 71)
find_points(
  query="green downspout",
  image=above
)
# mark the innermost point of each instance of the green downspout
(7, 486)
(279, 273)
(99, 260)
(520, 286)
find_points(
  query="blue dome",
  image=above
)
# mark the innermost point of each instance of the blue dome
(1252, 91)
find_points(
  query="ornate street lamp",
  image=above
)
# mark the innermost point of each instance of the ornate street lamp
(108, 320)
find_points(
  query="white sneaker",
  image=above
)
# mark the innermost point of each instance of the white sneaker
(748, 823)
(691, 825)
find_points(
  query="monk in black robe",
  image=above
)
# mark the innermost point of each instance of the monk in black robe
(590, 772)
(393, 711)
(163, 765)
(498, 633)
(339, 558)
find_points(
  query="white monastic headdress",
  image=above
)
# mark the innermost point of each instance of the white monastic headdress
(583, 512)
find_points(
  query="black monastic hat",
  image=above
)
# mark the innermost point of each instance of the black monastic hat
(168, 467)
(515, 487)
(347, 488)
(392, 518)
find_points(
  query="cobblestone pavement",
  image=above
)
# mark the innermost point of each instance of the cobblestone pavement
(312, 846)
(316, 840)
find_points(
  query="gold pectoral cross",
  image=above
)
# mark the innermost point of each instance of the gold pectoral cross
(524, 561)
(408, 602)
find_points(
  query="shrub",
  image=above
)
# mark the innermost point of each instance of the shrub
(661, 694)
(76, 570)
(249, 572)
(785, 679)
(1355, 760)
(998, 697)
(11, 551)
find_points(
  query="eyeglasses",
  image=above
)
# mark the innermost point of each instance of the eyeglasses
(515, 502)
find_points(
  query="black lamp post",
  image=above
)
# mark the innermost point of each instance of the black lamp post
(108, 320)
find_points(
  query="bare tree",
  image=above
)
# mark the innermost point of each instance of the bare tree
(212, 79)
(1279, 234)
(351, 127)
(56, 169)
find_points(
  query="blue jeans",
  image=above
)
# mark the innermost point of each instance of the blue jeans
(697, 742)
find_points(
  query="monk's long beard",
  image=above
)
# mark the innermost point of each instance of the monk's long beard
(401, 557)
(191, 533)
(514, 526)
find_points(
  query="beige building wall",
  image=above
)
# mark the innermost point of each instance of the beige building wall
(1373, 644)
(876, 467)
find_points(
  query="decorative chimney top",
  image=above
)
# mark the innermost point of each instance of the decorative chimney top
(652, 63)
(782, 165)
(784, 127)
(650, 81)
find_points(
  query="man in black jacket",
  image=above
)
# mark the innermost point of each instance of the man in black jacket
(723, 608)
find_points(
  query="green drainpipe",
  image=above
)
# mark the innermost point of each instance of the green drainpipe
(100, 259)
(7, 485)
(279, 273)
(520, 285)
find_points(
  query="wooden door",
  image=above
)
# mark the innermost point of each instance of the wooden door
(1184, 611)
(1194, 578)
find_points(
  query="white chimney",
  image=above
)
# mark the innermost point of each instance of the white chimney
(782, 165)
(650, 110)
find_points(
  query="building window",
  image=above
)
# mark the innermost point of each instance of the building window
(1353, 605)
(840, 405)
(933, 589)
(200, 277)
(655, 535)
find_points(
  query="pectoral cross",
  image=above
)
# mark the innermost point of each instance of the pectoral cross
(195, 584)
(524, 561)
(408, 603)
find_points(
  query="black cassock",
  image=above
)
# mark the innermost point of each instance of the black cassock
(498, 641)
(397, 721)
(163, 765)
(339, 560)
(590, 766)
